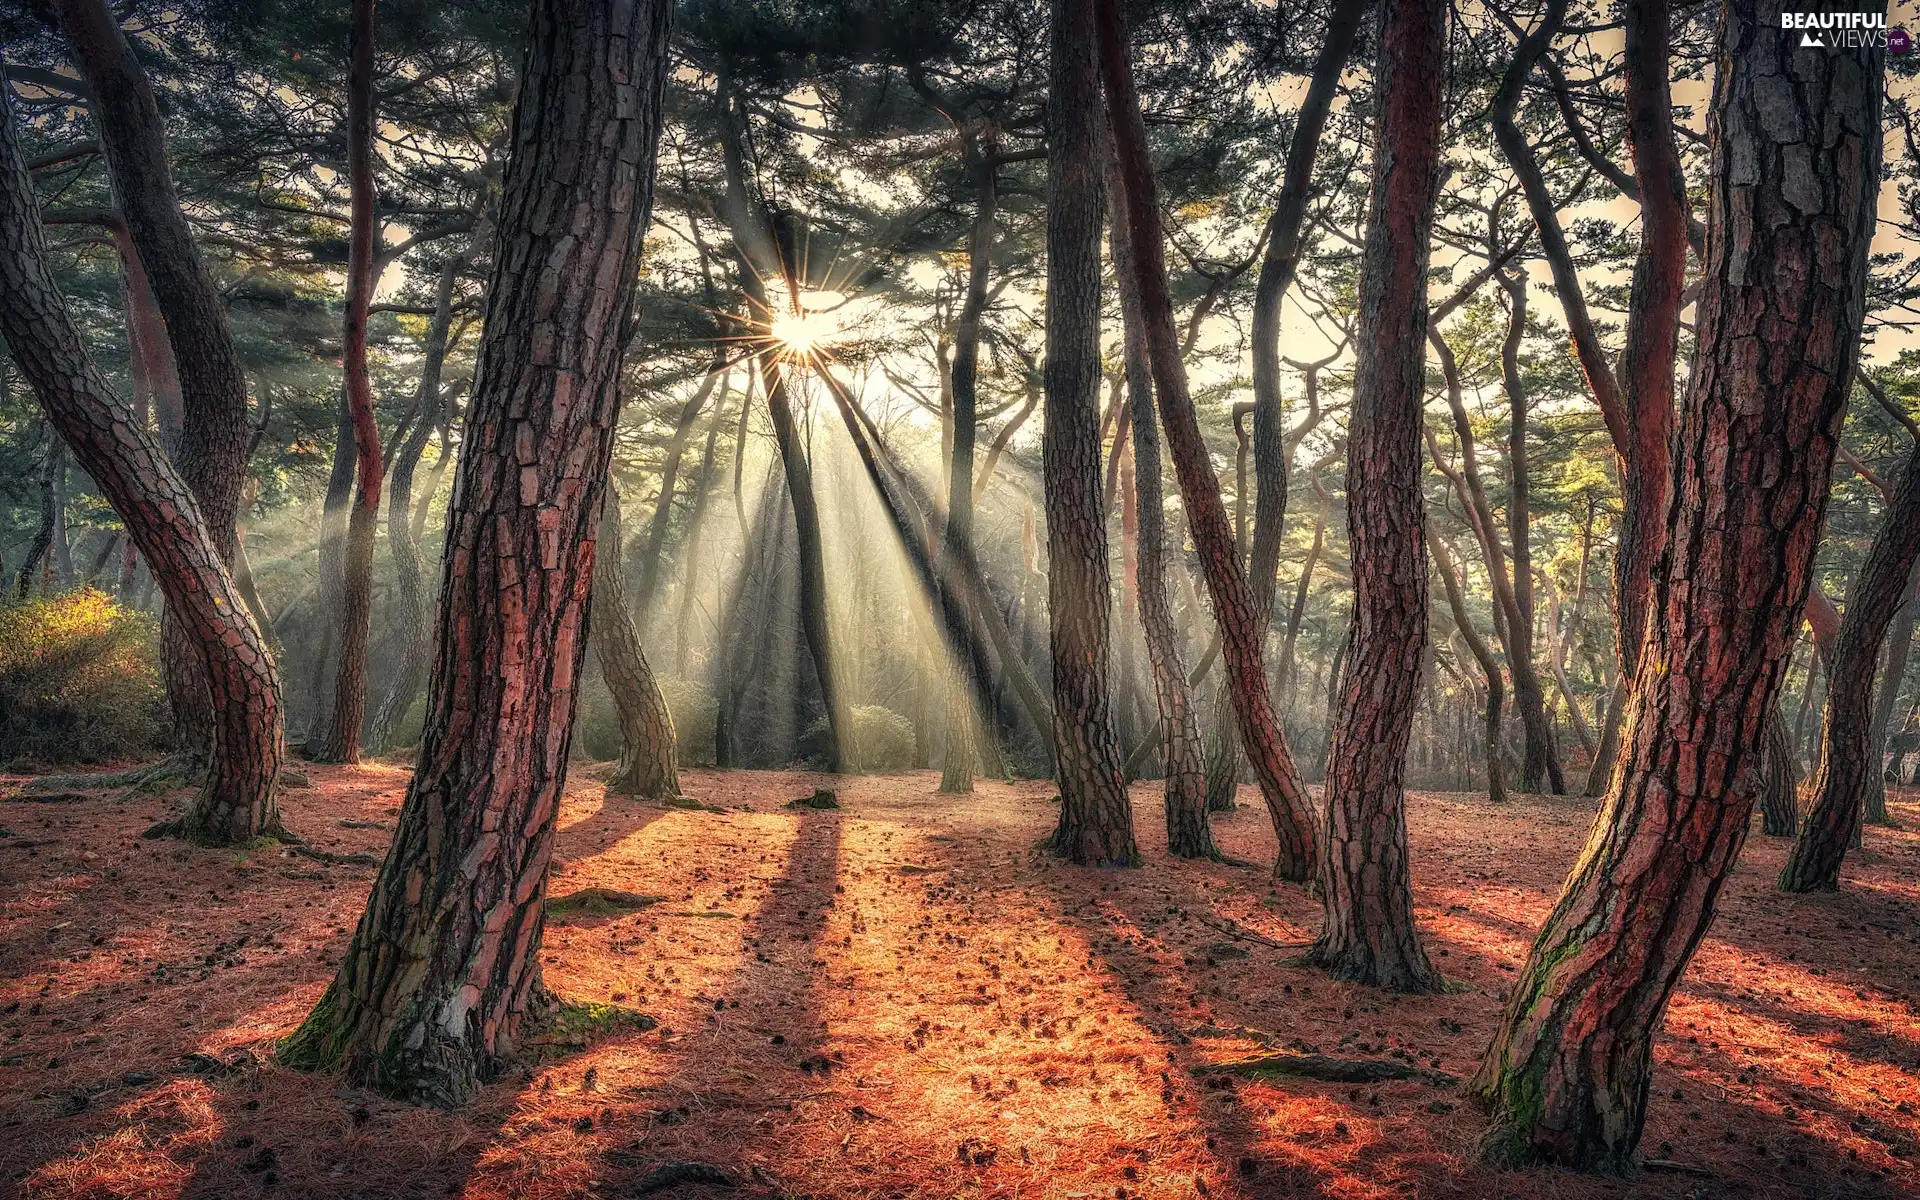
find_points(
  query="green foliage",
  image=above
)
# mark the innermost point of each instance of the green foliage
(883, 737)
(596, 726)
(79, 681)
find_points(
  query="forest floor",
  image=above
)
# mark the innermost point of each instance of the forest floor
(904, 999)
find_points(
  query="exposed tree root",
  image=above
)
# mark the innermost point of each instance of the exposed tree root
(598, 902)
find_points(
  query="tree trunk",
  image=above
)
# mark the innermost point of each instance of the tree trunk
(1779, 781)
(41, 546)
(1886, 699)
(408, 569)
(1240, 618)
(1483, 655)
(649, 766)
(759, 258)
(1653, 321)
(335, 506)
(441, 983)
(1789, 230)
(1510, 624)
(236, 802)
(670, 477)
(1188, 833)
(956, 775)
(1279, 261)
(1096, 816)
(1366, 892)
(1541, 765)
(1851, 758)
(341, 741)
(215, 432)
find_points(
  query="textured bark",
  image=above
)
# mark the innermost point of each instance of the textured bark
(1483, 655)
(1851, 757)
(1235, 609)
(408, 570)
(1795, 138)
(1278, 263)
(341, 741)
(1541, 764)
(1189, 835)
(236, 801)
(1366, 892)
(1779, 780)
(441, 983)
(760, 259)
(1096, 816)
(648, 759)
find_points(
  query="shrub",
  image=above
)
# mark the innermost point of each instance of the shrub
(79, 681)
(884, 739)
(596, 728)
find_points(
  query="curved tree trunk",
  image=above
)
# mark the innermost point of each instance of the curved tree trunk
(409, 572)
(1278, 263)
(341, 741)
(670, 476)
(1790, 225)
(441, 983)
(1241, 622)
(1851, 758)
(1189, 835)
(212, 446)
(237, 799)
(1096, 815)
(1366, 891)
(648, 766)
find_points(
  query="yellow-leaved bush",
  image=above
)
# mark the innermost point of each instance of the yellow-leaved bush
(79, 681)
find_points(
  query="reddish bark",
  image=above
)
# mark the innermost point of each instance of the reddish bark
(1790, 224)
(1242, 626)
(1366, 892)
(441, 983)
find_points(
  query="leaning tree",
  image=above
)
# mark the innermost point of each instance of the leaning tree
(164, 519)
(441, 983)
(1795, 149)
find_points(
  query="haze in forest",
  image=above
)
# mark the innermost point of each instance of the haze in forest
(875, 598)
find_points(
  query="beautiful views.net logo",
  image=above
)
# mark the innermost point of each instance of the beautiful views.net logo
(1846, 31)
